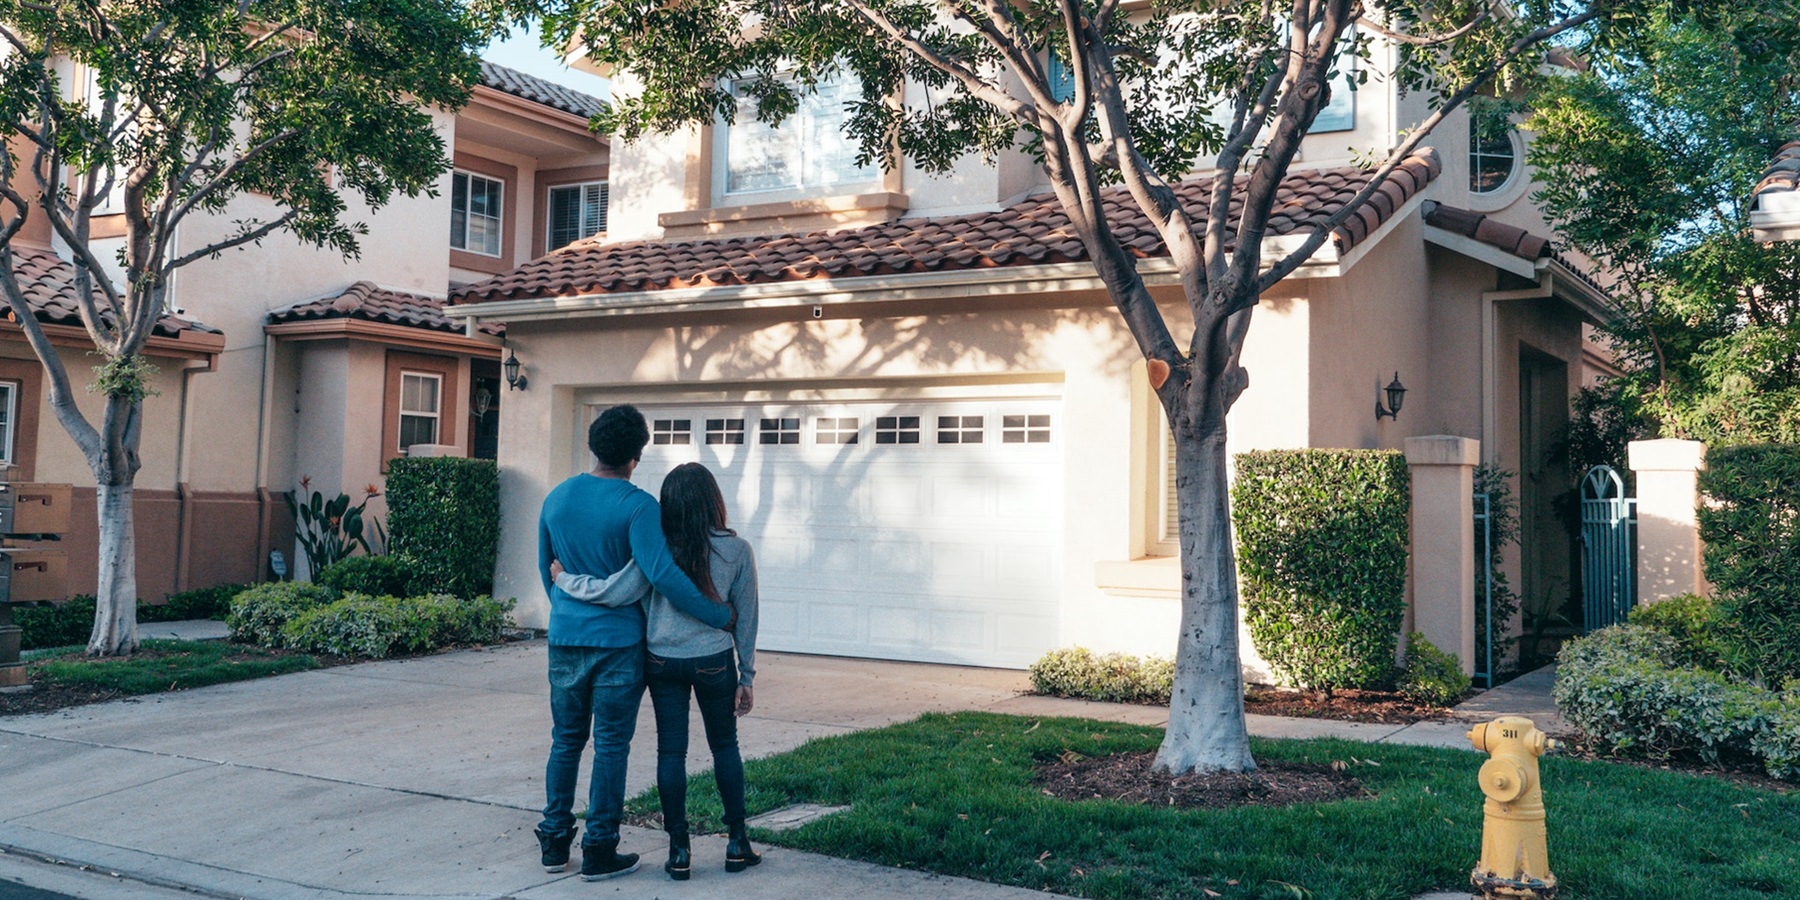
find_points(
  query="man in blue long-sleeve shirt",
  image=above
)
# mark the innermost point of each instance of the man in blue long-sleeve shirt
(595, 523)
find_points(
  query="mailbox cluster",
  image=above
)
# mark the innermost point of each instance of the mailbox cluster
(29, 513)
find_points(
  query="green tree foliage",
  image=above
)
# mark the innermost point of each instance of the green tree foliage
(1648, 159)
(164, 110)
(1750, 523)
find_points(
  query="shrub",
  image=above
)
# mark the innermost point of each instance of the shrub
(1431, 675)
(259, 614)
(1704, 636)
(1750, 522)
(1622, 689)
(63, 625)
(1322, 550)
(1115, 677)
(444, 516)
(377, 575)
(377, 627)
(1778, 745)
(200, 603)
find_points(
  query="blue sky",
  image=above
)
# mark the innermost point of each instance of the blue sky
(521, 50)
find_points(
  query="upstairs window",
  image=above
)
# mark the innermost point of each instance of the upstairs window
(9, 403)
(475, 208)
(576, 211)
(809, 149)
(1493, 154)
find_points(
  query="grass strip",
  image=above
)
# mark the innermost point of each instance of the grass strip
(172, 665)
(953, 793)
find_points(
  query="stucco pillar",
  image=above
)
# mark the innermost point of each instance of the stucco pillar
(1443, 542)
(1668, 492)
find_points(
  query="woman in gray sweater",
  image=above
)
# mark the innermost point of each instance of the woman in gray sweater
(687, 656)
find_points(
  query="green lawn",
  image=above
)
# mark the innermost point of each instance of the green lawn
(953, 794)
(169, 665)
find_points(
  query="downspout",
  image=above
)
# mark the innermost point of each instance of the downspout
(1490, 357)
(264, 500)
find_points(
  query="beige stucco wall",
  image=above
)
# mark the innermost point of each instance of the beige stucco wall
(57, 457)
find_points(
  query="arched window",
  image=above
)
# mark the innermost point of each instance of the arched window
(1493, 154)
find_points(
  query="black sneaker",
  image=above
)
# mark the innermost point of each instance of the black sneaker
(602, 861)
(555, 849)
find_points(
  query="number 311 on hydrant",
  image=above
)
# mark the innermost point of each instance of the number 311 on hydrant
(1514, 861)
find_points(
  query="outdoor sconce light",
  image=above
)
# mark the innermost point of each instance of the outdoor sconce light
(514, 380)
(1396, 395)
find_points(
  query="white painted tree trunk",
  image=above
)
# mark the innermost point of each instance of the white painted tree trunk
(1206, 708)
(115, 609)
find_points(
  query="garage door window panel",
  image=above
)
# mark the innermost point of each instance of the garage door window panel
(779, 431)
(959, 429)
(836, 430)
(724, 431)
(1026, 429)
(897, 430)
(664, 432)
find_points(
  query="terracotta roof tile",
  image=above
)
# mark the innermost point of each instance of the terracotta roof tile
(1783, 173)
(1032, 232)
(48, 282)
(372, 303)
(1471, 224)
(537, 90)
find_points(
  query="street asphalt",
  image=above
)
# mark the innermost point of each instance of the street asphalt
(422, 778)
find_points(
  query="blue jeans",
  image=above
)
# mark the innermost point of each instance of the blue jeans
(597, 687)
(713, 681)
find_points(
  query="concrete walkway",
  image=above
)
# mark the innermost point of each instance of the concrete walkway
(422, 778)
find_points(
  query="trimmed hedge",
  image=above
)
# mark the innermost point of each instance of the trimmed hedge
(444, 517)
(259, 614)
(379, 627)
(1322, 552)
(1705, 637)
(379, 575)
(200, 603)
(63, 625)
(1750, 523)
(1114, 677)
(1431, 675)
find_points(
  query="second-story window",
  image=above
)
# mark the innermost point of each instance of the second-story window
(808, 150)
(475, 206)
(576, 211)
(1493, 154)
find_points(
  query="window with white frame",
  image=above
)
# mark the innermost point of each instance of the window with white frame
(779, 431)
(672, 431)
(724, 431)
(476, 203)
(1025, 429)
(9, 411)
(959, 429)
(808, 150)
(576, 211)
(1493, 154)
(421, 395)
(833, 430)
(897, 429)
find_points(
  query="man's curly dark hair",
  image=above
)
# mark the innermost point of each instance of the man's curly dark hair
(618, 435)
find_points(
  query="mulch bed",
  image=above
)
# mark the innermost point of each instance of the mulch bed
(1131, 778)
(1382, 707)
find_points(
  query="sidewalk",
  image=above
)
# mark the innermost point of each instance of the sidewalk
(422, 778)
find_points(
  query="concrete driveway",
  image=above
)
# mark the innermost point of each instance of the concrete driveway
(415, 778)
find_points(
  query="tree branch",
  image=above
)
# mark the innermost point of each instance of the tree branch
(247, 237)
(971, 82)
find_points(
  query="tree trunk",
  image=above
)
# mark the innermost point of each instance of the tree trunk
(1206, 710)
(115, 608)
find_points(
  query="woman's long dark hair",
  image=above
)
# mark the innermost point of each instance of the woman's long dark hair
(692, 510)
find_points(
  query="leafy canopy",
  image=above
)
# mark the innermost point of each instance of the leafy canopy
(1648, 160)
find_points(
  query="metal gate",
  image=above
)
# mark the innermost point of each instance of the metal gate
(1484, 586)
(1608, 549)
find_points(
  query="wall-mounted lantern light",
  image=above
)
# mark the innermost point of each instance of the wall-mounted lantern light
(1396, 395)
(514, 380)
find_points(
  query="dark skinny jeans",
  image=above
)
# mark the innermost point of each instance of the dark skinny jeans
(713, 683)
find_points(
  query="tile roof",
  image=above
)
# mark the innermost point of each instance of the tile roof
(1033, 232)
(537, 90)
(48, 282)
(1471, 224)
(370, 302)
(1783, 173)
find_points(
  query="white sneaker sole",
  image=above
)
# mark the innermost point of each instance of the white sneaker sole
(562, 868)
(625, 871)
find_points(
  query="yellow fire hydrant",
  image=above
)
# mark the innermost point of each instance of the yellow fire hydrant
(1515, 863)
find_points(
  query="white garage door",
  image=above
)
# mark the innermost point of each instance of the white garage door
(924, 530)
